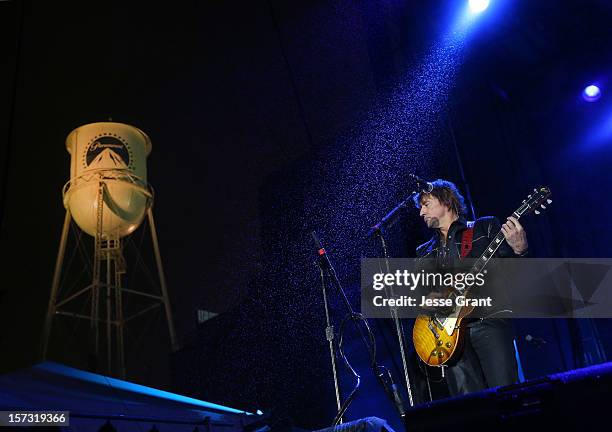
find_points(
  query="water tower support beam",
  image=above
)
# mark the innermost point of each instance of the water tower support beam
(120, 325)
(55, 285)
(109, 334)
(162, 281)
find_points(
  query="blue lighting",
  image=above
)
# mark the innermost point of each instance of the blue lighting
(591, 93)
(599, 134)
(116, 384)
(477, 6)
(470, 13)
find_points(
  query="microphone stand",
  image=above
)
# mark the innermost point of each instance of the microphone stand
(325, 266)
(377, 230)
(329, 334)
(389, 220)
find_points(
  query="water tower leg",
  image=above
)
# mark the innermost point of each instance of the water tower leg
(55, 286)
(108, 317)
(162, 279)
(120, 324)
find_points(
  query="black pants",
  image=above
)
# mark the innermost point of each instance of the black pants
(488, 358)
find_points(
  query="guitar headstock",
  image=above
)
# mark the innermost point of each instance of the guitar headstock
(535, 202)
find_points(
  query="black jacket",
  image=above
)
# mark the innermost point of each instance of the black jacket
(448, 257)
(485, 230)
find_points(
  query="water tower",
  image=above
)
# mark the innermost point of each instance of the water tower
(108, 197)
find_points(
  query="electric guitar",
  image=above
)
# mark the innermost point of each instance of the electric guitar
(438, 338)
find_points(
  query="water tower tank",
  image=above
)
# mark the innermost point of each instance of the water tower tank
(115, 155)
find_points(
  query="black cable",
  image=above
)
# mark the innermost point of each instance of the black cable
(423, 369)
(355, 317)
(353, 393)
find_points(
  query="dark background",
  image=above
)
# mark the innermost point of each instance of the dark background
(270, 119)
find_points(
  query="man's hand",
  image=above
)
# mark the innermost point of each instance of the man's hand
(515, 235)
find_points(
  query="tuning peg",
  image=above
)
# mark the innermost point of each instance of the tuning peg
(535, 190)
(543, 206)
(548, 201)
(537, 212)
(529, 196)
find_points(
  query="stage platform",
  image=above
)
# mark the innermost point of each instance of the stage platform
(571, 400)
(93, 400)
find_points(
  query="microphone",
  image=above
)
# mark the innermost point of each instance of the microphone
(320, 249)
(535, 340)
(317, 242)
(423, 186)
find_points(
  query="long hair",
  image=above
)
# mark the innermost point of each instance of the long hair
(447, 193)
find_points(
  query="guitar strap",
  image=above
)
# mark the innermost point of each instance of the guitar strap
(466, 240)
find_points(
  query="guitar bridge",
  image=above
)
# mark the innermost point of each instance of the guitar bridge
(433, 330)
(440, 322)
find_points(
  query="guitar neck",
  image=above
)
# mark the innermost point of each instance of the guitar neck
(481, 262)
(497, 241)
(532, 204)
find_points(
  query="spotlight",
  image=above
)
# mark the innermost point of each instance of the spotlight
(591, 93)
(477, 6)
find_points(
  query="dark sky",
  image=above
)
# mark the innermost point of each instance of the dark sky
(269, 119)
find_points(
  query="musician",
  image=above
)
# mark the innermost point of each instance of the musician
(488, 358)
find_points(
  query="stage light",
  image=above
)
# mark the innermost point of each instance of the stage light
(477, 6)
(591, 93)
